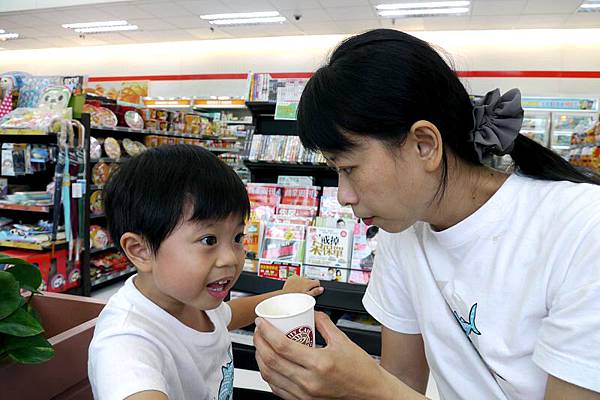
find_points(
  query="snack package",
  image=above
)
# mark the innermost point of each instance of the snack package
(283, 242)
(280, 270)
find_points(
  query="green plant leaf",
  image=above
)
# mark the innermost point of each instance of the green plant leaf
(29, 277)
(34, 313)
(21, 323)
(28, 350)
(10, 298)
(10, 260)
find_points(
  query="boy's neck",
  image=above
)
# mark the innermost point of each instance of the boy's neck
(187, 315)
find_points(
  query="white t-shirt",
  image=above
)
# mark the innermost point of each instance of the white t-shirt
(521, 275)
(138, 346)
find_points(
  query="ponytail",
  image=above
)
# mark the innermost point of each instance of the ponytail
(537, 161)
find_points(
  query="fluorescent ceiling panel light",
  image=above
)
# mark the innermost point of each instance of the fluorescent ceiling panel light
(2, 31)
(247, 21)
(430, 4)
(101, 29)
(590, 5)
(259, 14)
(6, 36)
(79, 25)
(424, 12)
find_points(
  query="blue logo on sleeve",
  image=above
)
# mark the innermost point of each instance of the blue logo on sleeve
(468, 327)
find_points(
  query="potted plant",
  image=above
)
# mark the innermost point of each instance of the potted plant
(44, 337)
(21, 331)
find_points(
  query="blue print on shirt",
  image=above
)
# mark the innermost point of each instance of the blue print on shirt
(226, 387)
(468, 327)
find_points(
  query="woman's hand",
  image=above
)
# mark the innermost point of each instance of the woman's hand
(341, 370)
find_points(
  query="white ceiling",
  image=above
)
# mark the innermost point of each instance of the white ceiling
(175, 20)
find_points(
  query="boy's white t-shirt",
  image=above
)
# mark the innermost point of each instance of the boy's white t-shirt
(138, 346)
(520, 276)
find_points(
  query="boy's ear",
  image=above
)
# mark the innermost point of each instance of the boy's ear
(137, 251)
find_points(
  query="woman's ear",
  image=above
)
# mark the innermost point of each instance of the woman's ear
(428, 144)
(137, 251)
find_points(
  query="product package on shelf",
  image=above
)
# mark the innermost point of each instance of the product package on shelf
(328, 252)
(264, 199)
(57, 275)
(301, 196)
(252, 239)
(363, 253)
(359, 321)
(287, 180)
(297, 211)
(277, 269)
(331, 207)
(283, 242)
(40, 233)
(291, 219)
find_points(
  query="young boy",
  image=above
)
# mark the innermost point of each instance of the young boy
(177, 213)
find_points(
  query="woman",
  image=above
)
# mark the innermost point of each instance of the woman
(489, 280)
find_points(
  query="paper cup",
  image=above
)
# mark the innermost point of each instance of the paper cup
(291, 313)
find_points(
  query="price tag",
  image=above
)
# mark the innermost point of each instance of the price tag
(76, 190)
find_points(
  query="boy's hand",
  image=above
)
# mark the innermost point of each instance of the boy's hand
(296, 284)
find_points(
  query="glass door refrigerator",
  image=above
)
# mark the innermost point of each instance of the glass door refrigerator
(565, 124)
(536, 126)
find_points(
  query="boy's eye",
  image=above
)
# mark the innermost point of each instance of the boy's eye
(239, 238)
(209, 240)
(346, 170)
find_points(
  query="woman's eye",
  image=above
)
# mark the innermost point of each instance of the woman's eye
(209, 240)
(239, 238)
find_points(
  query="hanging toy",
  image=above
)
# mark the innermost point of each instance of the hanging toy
(7, 85)
(55, 98)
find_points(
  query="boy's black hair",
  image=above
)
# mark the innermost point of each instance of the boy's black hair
(151, 192)
(381, 82)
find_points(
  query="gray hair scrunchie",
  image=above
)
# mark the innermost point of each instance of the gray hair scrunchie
(498, 120)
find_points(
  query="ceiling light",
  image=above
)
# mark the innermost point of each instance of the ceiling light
(94, 24)
(2, 31)
(424, 12)
(431, 4)
(589, 7)
(247, 21)
(6, 36)
(101, 29)
(258, 14)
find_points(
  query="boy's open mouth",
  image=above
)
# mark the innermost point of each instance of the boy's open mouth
(220, 288)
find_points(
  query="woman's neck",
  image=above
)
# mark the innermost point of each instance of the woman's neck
(469, 187)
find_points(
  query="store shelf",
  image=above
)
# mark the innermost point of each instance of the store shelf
(96, 216)
(237, 122)
(261, 107)
(563, 133)
(146, 132)
(337, 295)
(266, 165)
(109, 160)
(221, 150)
(96, 251)
(96, 187)
(559, 147)
(20, 207)
(31, 246)
(525, 130)
(25, 132)
(581, 145)
(112, 278)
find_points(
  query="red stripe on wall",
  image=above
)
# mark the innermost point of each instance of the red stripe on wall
(529, 74)
(189, 77)
(279, 75)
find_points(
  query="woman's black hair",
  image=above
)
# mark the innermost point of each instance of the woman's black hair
(381, 82)
(152, 192)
